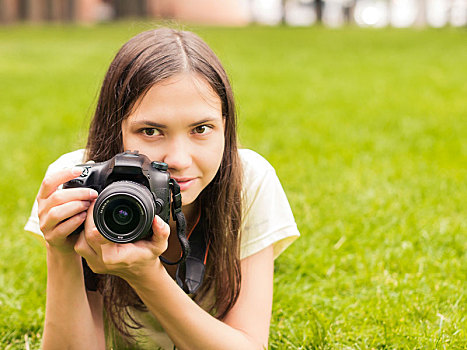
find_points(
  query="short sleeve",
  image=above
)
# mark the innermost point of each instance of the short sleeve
(267, 216)
(67, 160)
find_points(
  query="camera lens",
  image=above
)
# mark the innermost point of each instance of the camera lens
(118, 214)
(124, 212)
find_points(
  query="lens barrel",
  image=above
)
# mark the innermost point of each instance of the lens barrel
(124, 212)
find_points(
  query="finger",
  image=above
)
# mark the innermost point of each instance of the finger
(92, 235)
(90, 221)
(83, 248)
(93, 259)
(63, 230)
(161, 229)
(115, 253)
(72, 194)
(52, 181)
(160, 239)
(61, 213)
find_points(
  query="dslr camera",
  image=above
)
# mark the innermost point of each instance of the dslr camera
(132, 190)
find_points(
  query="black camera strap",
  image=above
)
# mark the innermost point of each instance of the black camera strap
(180, 222)
(191, 265)
(190, 273)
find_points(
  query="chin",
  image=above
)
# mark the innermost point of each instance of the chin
(189, 200)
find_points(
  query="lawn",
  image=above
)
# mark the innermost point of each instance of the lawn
(366, 129)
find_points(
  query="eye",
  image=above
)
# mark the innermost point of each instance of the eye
(150, 131)
(202, 129)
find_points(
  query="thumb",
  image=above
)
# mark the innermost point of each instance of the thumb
(160, 229)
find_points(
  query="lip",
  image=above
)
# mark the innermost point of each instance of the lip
(184, 182)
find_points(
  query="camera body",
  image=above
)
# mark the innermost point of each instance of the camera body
(132, 190)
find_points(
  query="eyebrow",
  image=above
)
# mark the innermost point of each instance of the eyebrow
(163, 126)
(148, 123)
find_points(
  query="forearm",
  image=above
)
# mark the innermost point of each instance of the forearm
(189, 326)
(68, 319)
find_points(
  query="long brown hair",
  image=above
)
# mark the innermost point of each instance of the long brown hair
(145, 60)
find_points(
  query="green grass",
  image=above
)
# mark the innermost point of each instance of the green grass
(366, 129)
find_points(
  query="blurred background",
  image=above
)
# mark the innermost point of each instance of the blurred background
(332, 13)
(360, 106)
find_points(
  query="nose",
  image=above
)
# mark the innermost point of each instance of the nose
(177, 155)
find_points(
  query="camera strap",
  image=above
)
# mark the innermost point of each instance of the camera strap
(180, 222)
(190, 273)
(191, 265)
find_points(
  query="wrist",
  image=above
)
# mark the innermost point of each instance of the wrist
(60, 250)
(63, 266)
(148, 276)
(61, 257)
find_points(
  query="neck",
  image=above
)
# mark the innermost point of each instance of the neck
(191, 212)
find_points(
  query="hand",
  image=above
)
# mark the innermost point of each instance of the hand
(129, 261)
(61, 211)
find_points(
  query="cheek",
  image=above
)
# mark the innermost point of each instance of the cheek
(213, 159)
(130, 143)
(126, 138)
(130, 140)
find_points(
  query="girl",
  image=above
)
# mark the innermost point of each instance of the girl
(167, 96)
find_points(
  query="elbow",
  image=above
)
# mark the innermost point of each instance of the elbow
(254, 343)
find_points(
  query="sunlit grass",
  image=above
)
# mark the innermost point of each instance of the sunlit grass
(366, 129)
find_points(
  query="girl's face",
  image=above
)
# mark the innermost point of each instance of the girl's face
(179, 121)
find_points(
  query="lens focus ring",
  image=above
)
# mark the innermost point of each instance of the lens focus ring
(124, 212)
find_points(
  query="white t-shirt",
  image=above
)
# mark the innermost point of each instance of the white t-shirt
(267, 217)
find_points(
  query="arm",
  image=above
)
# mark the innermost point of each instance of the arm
(71, 319)
(189, 326)
(246, 325)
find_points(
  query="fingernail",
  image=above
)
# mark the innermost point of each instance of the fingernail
(87, 204)
(76, 170)
(161, 222)
(158, 221)
(93, 193)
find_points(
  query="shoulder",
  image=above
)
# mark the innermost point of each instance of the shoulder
(254, 166)
(67, 160)
(257, 173)
(267, 216)
(250, 158)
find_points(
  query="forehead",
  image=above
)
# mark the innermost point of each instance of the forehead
(185, 82)
(187, 92)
